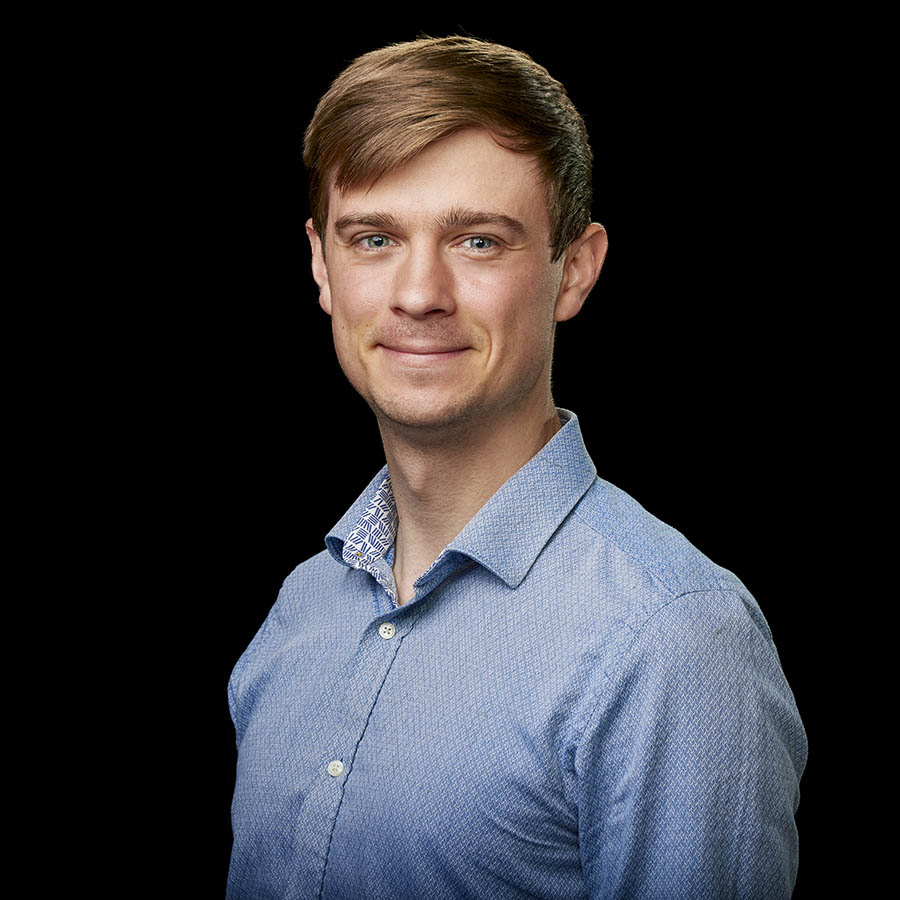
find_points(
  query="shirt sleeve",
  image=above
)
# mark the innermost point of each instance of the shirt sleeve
(688, 770)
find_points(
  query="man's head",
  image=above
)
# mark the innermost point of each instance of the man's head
(450, 188)
(389, 105)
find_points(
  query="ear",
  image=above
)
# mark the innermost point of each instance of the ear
(319, 269)
(583, 261)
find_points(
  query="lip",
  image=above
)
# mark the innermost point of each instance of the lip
(423, 352)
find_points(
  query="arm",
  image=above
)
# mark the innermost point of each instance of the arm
(689, 768)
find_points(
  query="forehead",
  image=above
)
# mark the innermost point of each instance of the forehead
(468, 170)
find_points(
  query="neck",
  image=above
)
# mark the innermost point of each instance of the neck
(441, 480)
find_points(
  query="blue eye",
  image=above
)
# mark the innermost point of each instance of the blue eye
(479, 243)
(375, 241)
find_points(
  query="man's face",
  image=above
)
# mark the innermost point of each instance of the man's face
(440, 286)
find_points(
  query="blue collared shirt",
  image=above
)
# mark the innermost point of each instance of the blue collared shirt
(576, 703)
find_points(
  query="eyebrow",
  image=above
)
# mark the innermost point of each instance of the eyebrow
(454, 218)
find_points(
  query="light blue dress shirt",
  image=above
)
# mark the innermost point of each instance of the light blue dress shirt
(576, 704)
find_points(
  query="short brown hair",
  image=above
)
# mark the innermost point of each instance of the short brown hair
(390, 104)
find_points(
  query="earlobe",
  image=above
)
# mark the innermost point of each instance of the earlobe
(584, 259)
(319, 269)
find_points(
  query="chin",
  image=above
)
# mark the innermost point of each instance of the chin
(424, 416)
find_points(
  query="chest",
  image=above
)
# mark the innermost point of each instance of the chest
(455, 736)
(459, 770)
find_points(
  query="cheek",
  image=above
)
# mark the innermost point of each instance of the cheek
(354, 300)
(516, 308)
(349, 320)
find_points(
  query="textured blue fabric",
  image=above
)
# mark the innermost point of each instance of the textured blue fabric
(577, 703)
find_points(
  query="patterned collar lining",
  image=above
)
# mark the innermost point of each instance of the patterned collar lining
(373, 536)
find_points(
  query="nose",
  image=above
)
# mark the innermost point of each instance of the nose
(423, 286)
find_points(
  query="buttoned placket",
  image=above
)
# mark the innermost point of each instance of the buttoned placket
(375, 654)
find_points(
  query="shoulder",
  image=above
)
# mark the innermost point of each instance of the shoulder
(663, 551)
(309, 596)
(689, 632)
(305, 604)
(315, 577)
(637, 575)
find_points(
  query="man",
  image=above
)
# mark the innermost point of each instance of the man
(502, 678)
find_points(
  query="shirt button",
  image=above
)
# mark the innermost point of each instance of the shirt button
(387, 631)
(335, 768)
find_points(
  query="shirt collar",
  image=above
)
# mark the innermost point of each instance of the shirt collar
(505, 536)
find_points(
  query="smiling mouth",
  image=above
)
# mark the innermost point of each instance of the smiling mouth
(423, 352)
(422, 359)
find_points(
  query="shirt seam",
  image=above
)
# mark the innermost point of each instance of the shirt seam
(643, 565)
(597, 713)
(740, 861)
(613, 669)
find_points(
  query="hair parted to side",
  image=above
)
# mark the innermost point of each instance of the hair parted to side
(390, 104)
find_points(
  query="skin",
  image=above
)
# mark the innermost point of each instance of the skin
(444, 300)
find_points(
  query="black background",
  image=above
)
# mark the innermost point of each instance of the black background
(696, 367)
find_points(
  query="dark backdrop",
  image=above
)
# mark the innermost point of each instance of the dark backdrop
(693, 366)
